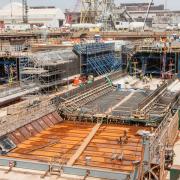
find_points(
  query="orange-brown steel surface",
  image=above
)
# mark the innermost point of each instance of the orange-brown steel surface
(64, 139)
(104, 145)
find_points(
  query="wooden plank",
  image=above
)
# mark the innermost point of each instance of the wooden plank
(84, 145)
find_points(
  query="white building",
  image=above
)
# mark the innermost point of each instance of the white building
(42, 16)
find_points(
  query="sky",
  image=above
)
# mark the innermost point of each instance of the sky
(70, 4)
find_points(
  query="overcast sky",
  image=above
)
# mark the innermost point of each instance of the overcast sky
(63, 4)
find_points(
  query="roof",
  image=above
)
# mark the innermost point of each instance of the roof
(45, 12)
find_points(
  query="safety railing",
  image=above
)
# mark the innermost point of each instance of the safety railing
(150, 97)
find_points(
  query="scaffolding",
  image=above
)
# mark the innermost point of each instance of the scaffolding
(158, 58)
(9, 65)
(49, 70)
(97, 58)
(89, 9)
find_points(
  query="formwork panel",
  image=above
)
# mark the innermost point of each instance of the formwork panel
(48, 121)
(104, 146)
(54, 117)
(42, 123)
(60, 140)
(31, 129)
(13, 139)
(64, 139)
(25, 132)
(18, 136)
(36, 126)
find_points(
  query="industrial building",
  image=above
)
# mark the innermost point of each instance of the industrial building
(49, 16)
(158, 17)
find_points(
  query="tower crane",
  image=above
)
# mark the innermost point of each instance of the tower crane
(25, 11)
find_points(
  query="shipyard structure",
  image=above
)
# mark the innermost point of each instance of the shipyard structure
(88, 104)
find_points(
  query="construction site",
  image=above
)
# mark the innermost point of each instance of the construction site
(95, 98)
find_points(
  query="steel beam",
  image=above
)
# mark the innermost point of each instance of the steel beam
(73, 170)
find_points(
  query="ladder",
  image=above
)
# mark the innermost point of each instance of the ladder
(56, 165)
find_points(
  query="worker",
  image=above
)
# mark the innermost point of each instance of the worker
(145, 79)
(76, 81)
(1, 150)
(125, 136)
(120, 156)
(123, 139)
(141, 77)
(150, 76)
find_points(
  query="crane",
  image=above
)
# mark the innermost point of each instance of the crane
(69, 17)
(24, 11)
(151, 1)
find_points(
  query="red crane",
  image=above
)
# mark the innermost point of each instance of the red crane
(70, 14)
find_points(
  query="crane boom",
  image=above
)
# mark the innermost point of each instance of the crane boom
(151, 1)
(24, 11)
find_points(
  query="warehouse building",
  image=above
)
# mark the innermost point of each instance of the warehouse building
(49, 16)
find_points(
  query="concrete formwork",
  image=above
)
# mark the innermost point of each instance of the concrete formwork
(62, 140)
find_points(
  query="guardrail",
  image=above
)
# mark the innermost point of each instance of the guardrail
(81, 90)
(12, 90)
(160, 136)
(151, 96)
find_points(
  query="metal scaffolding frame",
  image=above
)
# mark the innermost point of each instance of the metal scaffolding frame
(97, 58)
(48, 70)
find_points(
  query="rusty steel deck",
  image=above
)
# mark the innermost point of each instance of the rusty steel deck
(63, 140)
(104, 145)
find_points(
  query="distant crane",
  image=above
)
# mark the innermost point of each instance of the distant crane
(150, 4)
(69, 17)
(25, 11)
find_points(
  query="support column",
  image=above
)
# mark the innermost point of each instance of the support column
(144, 65)
(175, 62)
(178, 65)
(146, 155)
